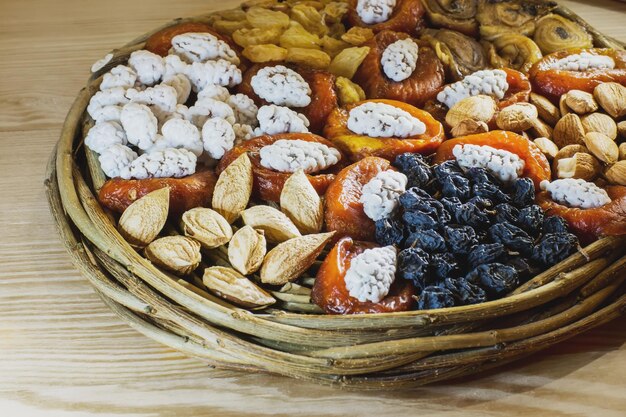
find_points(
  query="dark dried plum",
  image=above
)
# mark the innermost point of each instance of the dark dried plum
(485, 253)
(417, 170)
(531, 219)
(555, 224)
(496, 279)
(512, 237)
(506, 213)
(523, 192)
(460, 239)
(554, 247)
(465, 292)
(428, 240)
(447, 168)
(412, 197)
(389, 231)
(480, 175)
(490, 191)
(413, 266)
(455, 186)
(435, 297)
(443, 265)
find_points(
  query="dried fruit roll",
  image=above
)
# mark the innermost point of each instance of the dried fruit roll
(407, 16)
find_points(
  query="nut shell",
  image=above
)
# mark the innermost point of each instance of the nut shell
(616, 173)
(233, 188)
(178, 254)
(478, 108)
(274, 223)
(517, 117)
(301, 203)
(581, 102)
(247, 249)
(231, 285)
(602, 147)
(580, 165)
(601, 123)
(612, 98)
(568, 131)
(207, 227)
(143, 220)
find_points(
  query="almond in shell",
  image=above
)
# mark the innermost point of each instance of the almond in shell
(206, 226)
(301, 203)
(601, 123)
(143, 220)
(616, 173)
(580, 165)
(517, 117)
(568, 131)
(480, 108)
(612, 98)
(547, 111)
(247, 249)
(602, 147)
(233, 189)
(274, 223)
(581, 102)
(288, 260)
(178, 254)
(231, 285)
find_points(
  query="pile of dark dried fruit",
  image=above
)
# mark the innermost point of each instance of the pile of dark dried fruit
(465, 237)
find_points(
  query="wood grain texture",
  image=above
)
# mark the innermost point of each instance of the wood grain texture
(63, 353)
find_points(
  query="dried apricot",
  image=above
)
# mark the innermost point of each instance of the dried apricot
(407, 16)
(161, 41)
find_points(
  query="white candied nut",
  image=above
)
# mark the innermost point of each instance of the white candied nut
(383, 120)
(216, 92)
(100, 104)
(244, 108)
(375, 11)
(104, 135)
(149, 67)
(371, 274)
(218, 137)
(400, 59)
(286, 155)
(487, 82)
(220, 72)
(380, 195)
(161, 98)
(282, 86)
(120, 76)
(140, 125)
(576, 193)
(99, 64)
(179, 134)
(584, 62)
(504, 165)
(115, 159)
(242, 132)
(173, 66)
(168, 163)
(200, 47)
(182, 85)
(277, 119)
(208, 108)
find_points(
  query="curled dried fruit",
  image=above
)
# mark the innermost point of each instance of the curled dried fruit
(231, 285)
(143, 220)
(274, 223)
(178, 254)
(207, 227)
(247, 249)
(301, 203)
(233, 188)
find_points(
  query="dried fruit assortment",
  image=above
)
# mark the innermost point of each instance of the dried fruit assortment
(363, 156)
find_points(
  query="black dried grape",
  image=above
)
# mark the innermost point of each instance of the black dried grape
(523, 192)
(490, 191)
(512, 237)
(412, 197)
(481, 202)
(506, 213)
(554, 247)
(413, 266)
(554, 224)
(418, 220)
(417, 170)
(455, 186)
(447, 168)
(428, 240)
(389, 231)
(435, 297)
(524, 267)
(496, 279)
(480, 176)
(465, 292)
(485, 253)
(460, 239)
(443, 265)
(472, 215)
(531, 219)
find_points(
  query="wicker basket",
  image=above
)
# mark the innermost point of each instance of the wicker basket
(366, 351)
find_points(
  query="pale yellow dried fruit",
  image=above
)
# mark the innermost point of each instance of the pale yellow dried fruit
(143, 220)
(290, 259)
(274, 223)
(469, 127)
(333, 46)
(260, 17)
(336, 30)
(178, 254)
(233, 189)
(264, 53)
(301, 203)
(234, 287)
(547, 147)
(547, 111)
(616, 173)
(601, 123)
(257, 36)
(602, 147)
(206, 226)
(310, 19)
(228, 27)
(622, 151)
(612, 98)
(247, 249)
(580, 165)
(297, 37)
(357, 35)
(580, 102)
(309, 57)
(348, 61)
(479, 108)
(348, 92)
(334, 11)
(517, 117)
(568, 131)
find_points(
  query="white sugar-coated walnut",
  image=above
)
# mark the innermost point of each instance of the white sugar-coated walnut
(371, 274)
(161, 98)
(173, 66)
(243, 132)
(168, 163)
(380, 195)
(182, 85)
(140, 125)
(148, 66)
(584, 62)
(286, 155)
(208, 108)
(200, 47)
(120, 76)
(115, 159)
(375, 11)
(104, 135)
(179, 134)
(99, 64)
(102, 104)
(380, 120)
(399, 59)
(487, 82)
(220, 72)
(216, 92)
(576, 193)
(244, 108)
(282, 86)
(218, 137)
(504, 165)
(277, 119)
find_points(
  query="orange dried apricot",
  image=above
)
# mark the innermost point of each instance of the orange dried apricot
(407, 16)
(160, 42)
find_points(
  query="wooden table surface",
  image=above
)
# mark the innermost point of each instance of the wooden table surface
(62, 353)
